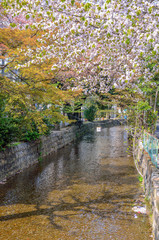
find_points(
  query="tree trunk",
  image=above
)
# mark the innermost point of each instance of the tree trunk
(151, 101)
(156, 99)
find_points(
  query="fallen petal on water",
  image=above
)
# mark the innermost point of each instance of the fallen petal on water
(139, 209)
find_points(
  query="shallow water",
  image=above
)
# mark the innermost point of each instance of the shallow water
(84, 191)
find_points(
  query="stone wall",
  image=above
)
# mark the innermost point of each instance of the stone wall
(151, 186)
(17, 158)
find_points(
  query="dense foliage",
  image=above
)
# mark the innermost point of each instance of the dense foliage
(90, 112)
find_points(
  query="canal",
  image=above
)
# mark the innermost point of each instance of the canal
(84, 191)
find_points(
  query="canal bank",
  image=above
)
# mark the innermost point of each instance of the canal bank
(18, 157)
(85, 191)
(151, 188)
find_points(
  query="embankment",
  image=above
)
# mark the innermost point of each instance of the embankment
(151, 188)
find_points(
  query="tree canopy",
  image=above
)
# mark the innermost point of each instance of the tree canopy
(100, 43)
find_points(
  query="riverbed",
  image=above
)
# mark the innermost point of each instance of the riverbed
(85, 191)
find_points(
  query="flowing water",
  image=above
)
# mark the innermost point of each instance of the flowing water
(84, 191)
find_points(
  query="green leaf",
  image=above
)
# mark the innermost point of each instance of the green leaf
(72, 2)
(27, 16)
(87, 6)
(150, 9)
(138, 12)
(127, 41)
(13, 25)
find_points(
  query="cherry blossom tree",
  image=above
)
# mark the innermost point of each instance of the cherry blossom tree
(99, 43)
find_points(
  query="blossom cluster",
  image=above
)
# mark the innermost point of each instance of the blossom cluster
(102, 43)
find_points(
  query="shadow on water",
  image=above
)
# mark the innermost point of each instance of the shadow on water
(86, 190)
(72, 206)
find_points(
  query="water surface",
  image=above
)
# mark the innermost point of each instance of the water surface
(84, 191)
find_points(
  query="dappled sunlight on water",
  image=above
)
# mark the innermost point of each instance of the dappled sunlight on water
(85, 191)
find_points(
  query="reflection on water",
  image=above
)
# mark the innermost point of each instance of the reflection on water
(85, 191)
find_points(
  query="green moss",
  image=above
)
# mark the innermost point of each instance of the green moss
(13, 144)
(40, 159)
(140, 178)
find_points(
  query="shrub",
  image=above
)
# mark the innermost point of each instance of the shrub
(9, 131)
(90, 113)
